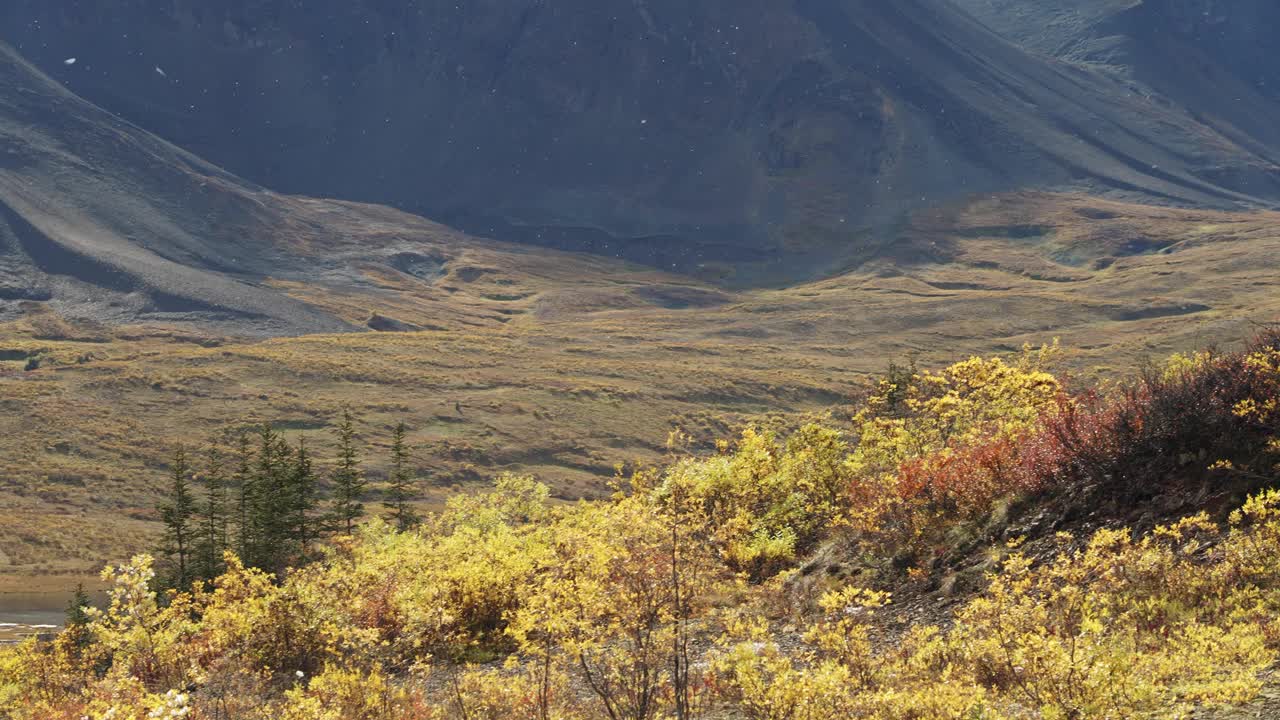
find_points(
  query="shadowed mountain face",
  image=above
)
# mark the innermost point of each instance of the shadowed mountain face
(778, 138)
(109, 223)
(1232, 36)
(103, 222)
(1214, 58)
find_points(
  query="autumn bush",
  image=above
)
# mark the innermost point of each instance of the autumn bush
(940, 451)
(1180, 619)
(1168, 426)
(766, 502)
(340, 693)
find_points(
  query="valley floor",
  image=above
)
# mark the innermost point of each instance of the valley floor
(564, 366)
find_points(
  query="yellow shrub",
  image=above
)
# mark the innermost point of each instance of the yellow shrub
(765, 502)
(343, 694)
(978, 400)
(1123, 628)
(511, 694)
(619, 594)
(1126, 627)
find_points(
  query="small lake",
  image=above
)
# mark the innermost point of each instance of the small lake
(17, 626)
(25, 614)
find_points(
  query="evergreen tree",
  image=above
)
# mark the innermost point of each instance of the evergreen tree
(177, 517)
(304, 496)
(77, 613)
(213, 521)
(78, 608)
(270, 507)
(348, 480)
(243, 486)
(401, 483)
(900, 379)
(277, 498)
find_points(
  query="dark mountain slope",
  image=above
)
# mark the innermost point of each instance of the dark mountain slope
(1235, 36)
(1215, 58)
(102, 221)
(779, 136)
(108, 222)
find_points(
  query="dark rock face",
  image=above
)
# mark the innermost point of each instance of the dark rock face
(764, 133)
(1218, 59)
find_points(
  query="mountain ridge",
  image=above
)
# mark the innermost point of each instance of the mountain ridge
(779, 140)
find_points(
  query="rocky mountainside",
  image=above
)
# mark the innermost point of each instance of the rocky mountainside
(105, 225)
(755, 139)
(106, 222)
(1214, 58)
(1233, 38)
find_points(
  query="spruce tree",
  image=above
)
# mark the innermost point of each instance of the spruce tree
(401, 483)
(243, 486)
(269, 514)
(213, 523)
(303, 499)
(77, 626)
(177, 517)
(348, 480)
(77, 611)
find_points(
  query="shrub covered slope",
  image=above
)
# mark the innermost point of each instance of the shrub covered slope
(1119, 544)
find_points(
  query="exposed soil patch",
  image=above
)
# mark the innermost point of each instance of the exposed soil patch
(675, 297)
(423, 267)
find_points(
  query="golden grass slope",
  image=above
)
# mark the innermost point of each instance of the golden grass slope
(564, 365)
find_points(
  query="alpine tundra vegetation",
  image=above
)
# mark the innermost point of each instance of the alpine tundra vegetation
(780, 577)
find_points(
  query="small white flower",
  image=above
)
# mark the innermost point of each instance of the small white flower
(299, 674)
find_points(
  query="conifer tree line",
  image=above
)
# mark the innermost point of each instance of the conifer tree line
(265, 501)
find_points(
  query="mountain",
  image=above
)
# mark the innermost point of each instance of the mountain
(1231, 39)
(103, 223)
(750, 140)
(1215, 59)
